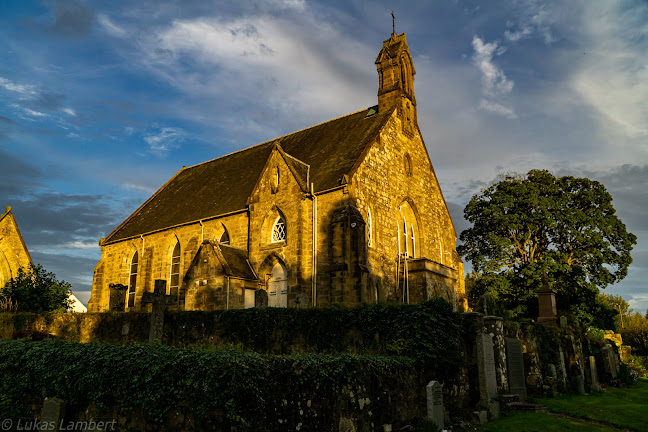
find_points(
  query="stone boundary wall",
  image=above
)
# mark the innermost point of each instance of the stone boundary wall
(556, 359)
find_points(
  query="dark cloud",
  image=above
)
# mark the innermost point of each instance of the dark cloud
(45, 101)
(6, 127)
(72, 18)
(456, 214)
(15, 174)
(77, 271)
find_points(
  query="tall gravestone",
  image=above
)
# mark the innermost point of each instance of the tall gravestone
(160, 301)
(515, 365)
(580, 385)
(487, 372)
(547, 303)
(594, 374)
(434, 391)
(610, 361)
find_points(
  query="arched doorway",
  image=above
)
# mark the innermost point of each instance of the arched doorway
(278, 287)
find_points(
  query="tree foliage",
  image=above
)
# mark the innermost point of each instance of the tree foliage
(36, 290)
(566, 227)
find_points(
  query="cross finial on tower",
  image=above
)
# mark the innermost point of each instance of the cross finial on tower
(393, 23)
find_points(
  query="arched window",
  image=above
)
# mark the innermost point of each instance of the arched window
(408, 233)
(413, 242)
(225, 238)
(405, 237)
(174, 282)
(279, 230)
(132, 281)
(369, 229)
(408, 165)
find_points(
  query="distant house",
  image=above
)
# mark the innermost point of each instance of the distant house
(344, 212)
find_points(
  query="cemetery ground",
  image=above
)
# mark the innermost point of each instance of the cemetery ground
(616, 409)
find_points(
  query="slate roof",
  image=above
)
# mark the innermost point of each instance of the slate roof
(236, 262)
(223, 185)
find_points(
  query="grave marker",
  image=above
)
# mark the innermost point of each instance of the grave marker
(117, 299)
(487, 373)
(594, 374)
(260, 298)
(515, 364)
(434, 391)
(160, 301)
(53, 412)
(580, 385)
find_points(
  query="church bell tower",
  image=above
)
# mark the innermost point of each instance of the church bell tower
(396, 80)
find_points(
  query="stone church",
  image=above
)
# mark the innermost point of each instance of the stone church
(13, 251)
(344, 212)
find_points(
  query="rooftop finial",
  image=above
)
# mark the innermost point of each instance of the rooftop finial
(393, 23)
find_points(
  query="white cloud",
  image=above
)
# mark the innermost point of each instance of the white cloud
(611, 74)
(110, 27)
(534, 19)
(137, 187)
(496, 108)
(495, 84)
(29, 112)
(166, 139)
(278, 66)
(494, 80)
(69, 111)
(24, 90)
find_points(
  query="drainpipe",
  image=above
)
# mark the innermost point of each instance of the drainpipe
(202, 231)
(314, 272)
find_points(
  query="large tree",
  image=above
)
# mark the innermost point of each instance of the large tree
(34, 289)
(524, 226)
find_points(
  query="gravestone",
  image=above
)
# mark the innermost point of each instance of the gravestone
(515, 364)
(117, 299)
(53, 413)
(160, 301)
(594, 374)
(547, 313)
(260, 298)
(580, 385)
(487, 373)
(552, 371)
(610, 361)
(434, 391)
(563, 322)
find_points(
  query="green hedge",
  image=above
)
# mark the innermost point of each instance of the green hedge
(428, 333)
(214, 387)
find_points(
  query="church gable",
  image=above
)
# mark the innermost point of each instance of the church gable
(13, 252)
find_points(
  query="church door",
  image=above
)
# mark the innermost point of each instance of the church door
(278, 287)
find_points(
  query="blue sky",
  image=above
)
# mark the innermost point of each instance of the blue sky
(102, 102)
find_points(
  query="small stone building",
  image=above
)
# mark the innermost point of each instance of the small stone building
(347, 211)
(13, 252)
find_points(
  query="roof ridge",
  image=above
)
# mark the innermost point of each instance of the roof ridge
(279, 137)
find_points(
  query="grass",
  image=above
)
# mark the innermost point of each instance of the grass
(538, 422)
(627, 408)
(616, 409)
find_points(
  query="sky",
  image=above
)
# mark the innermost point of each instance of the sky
(102, 102)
